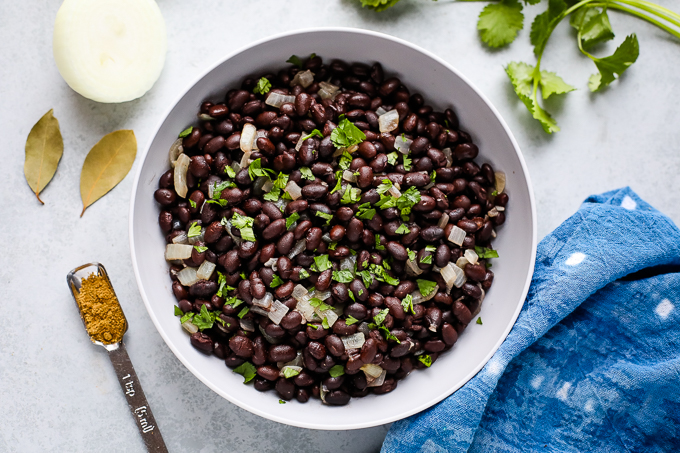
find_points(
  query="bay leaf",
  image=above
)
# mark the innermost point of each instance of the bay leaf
(106, 165)
(44, 148)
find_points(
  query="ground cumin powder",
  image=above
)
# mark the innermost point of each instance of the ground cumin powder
(104, 319)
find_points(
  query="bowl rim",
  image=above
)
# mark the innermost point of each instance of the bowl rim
(381, 420)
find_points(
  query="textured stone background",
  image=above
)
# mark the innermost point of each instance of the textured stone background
(59, 393)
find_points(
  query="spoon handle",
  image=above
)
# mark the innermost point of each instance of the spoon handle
(141, 411)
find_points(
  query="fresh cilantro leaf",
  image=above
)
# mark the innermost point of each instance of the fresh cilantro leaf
(426, 287)
(314, 133)
(178, 311)
(321, 263)
(411, 254)
(403, 229)
(366, 277)
(345, 160)
(380, 317)
(430, 248)
(282, 402)
(319, 304)
(243, 276)
(544, 24)
(351, 320)
(479, 320)
(194, 230)
(324, 323)
(313, 326)
(494, 193)
(204, 320)
(192, 203)
(378, 5)
(200, 248)
(522, 77)
(427, 259)
(551, 84)
(387, 334)
(303, 274)
(255, 169)
(343, 276)
(276, 281)
(407, 163)
(289, 372)
(377, 243)
(614, 65)
(307, 173)
(323, 215)
(351, 296)
(263, 86)
(295, 60)
(241, 221)
(229, 171)
(425, 359)
(247, 370)
(186, 132)
(346, 134)
(488, 265)
(219, 188)
(365, 212)
(486, 253)
(392, 158)
(337, 371)
(186, 317)
(351, 195)
(332, 245)
(386, 201)
(233, 301)
(292, 219)
(407, 303)
(338, 183)
(593, 26)
(499, 23)
(384, 186)
(244, 311)
(381, 274)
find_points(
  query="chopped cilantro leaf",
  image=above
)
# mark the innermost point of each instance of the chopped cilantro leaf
(426, 287)
(200, 248)
(295, 60)
(343, 276)
(289, 372)
(229, 171)
(263, 86)
(243, 312)
(303, 274)
(384, 186)
(407, 303)
(380, 317)
(247, 370)
(411, 254)
(366, 277)
(387, 334)
(377, 243)
(486, 253)
(186, 317)
(314, 133)
(323, 215)
(345, 160)
(392, 158)
(186, 132)
(346, 134)
(255, 169)
(403, 229)
(282, 402)
(479, 320)
(324, 323)
(337, 371)
(194, 230)
(430, 248)
(427, 259)
(365, 212)
(307, 173)
(178, 311)
(407, 163)
(292, 219)
(321, 263)
(276, 281)
(192, 203)
(425, 359)
(205, 319)
(351, 320)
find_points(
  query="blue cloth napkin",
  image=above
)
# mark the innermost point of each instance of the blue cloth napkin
(593, 362)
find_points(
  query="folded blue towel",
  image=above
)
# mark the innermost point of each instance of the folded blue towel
(593, 362)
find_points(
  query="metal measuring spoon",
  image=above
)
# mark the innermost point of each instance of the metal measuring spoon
(141, 411)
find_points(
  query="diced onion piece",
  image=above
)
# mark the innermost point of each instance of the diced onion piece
(277, 99)
(412, 268)
(471, 256)
(330, 316)
(259, 311)
(265, 302)
(236, 166)
(500, 181)
(297, 248)
(200, 238)
(299, 291)
(372, 370)
(110, 50)
(462, 262)
(326, 238)
(402, 144)
(354, 341)
(481, 299)
(190, 327)
(321, 295)
(187, 276)
(418, 298)
(443, 221)
(348, 263)
(380, 111)
(458, 275)
(290, 367)
(205, 270)
(493, 212)
(175, 150)
(327, 90)
(499, 208)
(394, 191)
(493, 234)
(247, 324)
(457, 235)
(270, 262)
(377, 382)
(303, 78)
(237, 240)
(293, 190)
(299, 143)
(277, 312)
(245, 160)
(349, 176)
(449, 157)
(178, 252)
(322, 393)
(305, 308)
(297, 361)
(389, 121)
(248, 135)
(181, 238)
(180, 175)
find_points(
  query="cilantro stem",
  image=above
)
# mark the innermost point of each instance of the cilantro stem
(643, 16)
(655, 9)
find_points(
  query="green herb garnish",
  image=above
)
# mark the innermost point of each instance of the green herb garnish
(307, 173)
(194, 230)
(295, 60)
(336, 371)
(276, 281)
(486, 253)
(247, 370)
(323, 215)
(425, 359)
(200, 248)
(479, 320)
(351, 320)
(263, 86)
(403, 229)
(346, 134)
(291, 220)
(407, 303)
(289, 372)
(365, 212)
(426, 287)
(343, 276)
(244, 311)
(186, 132)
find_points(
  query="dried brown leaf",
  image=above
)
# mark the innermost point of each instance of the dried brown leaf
(106, 165)
(44, 148)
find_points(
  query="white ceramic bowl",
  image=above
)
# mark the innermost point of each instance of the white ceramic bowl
(442, 86)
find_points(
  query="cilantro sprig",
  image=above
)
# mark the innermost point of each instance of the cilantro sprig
(346, 134)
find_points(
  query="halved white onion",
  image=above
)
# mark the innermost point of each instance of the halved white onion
(453, 276)
(109, 50)
(377, 382)
(299, 291)
(180, 175)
